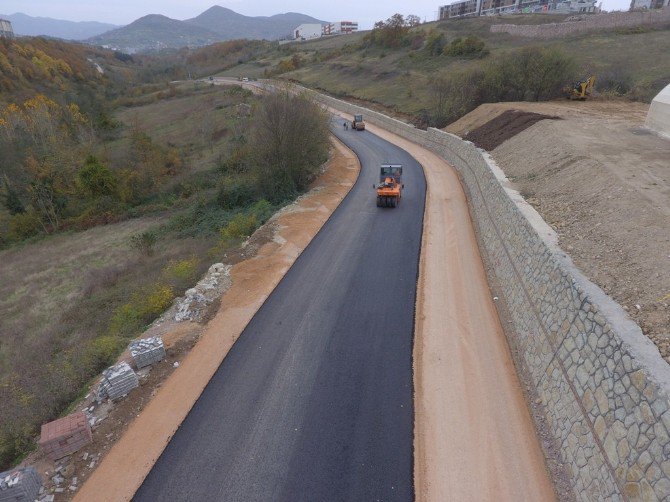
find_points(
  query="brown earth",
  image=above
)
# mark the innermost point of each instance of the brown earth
(506, 125)
(603, 183)
(152, 422)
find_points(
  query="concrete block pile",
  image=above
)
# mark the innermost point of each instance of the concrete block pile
(18, 485)
(147, 351)
(65, 436)
(117, 381)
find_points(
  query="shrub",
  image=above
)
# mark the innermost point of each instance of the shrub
(142, 308)
(528, 74)
(144, 242)
(236, 193)
(239, 227)
(468, 47)
(181, 273)
(24, 225)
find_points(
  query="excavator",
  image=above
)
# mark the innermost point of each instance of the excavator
(389, 188)
(358, 123)
(580, 90)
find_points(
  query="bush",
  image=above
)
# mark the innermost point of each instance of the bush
(236, 193)
(24, 225)
(468, 47)
(144, 242)
(142, 308)
(528, 74)
(181, 273)
(239, 227)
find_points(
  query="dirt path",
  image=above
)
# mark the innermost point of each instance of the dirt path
(128, 462)
(474, 437)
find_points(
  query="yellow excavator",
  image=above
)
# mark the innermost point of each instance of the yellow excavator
(580, 90)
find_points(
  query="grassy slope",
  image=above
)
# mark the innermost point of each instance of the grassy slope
(59, 293)
(399, 79)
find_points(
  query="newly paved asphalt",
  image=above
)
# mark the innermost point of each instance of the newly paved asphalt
(314, 400)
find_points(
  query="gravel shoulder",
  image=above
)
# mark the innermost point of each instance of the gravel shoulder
(603, 183)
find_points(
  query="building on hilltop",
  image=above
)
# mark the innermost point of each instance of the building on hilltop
(6, 30)
(472, 8)
(648, 4)
(307, 31)
(340, 28)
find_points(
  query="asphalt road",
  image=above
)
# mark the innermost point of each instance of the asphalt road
(315, 399)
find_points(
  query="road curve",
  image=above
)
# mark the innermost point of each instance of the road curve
(315, 399)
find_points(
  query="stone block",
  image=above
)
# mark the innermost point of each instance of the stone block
(19, 485)
(65, 436)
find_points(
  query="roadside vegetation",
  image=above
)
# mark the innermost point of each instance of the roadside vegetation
(423, 73)
(111, 208)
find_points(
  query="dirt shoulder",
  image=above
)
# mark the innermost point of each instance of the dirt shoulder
(128, 461)
(474, 438)
(603, 183)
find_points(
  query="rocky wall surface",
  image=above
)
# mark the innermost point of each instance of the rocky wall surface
(603, 384)
(593, 22)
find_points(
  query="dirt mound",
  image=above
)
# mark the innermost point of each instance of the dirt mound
(506, 125)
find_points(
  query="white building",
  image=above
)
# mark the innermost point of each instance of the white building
(6, 30)
(340, 28)
(307, 31)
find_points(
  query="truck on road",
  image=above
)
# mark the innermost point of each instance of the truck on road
(358, 123)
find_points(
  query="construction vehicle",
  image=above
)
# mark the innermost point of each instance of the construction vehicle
(358, 123)
(389, 189)
(580, 90)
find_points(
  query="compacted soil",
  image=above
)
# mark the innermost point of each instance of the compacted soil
(602, 182)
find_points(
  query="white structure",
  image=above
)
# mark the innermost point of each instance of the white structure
(307, 31)
(6, 30)
(658, 116)
(340, 28)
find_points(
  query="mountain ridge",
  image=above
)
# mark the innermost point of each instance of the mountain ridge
(216, 24)
(26, 25)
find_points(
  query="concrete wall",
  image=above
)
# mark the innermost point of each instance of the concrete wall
(658, 116)
(589, 23)
(603, 384)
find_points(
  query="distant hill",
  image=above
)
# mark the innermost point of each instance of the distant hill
(216, 24)
(156, 32)
(231, 25)
(57, 28)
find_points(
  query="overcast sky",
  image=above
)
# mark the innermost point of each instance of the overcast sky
(126, 11)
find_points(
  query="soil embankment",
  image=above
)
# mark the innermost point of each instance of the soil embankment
(603, 183)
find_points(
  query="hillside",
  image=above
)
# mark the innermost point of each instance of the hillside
(25, 25)
(154, 33)
(411, 79)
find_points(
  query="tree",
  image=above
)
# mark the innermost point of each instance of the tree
(291, 138)
(13, 201)
(96, 180)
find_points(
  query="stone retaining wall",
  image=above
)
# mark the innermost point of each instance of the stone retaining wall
(593, 22)
(603, 384)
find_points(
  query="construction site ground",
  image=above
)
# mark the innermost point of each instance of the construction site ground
(602, 181)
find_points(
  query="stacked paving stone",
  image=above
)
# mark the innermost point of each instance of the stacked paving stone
(65, 436)
(117, 381)
(147, 351)
(18, 485)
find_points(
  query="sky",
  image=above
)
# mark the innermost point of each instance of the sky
(126, 11)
